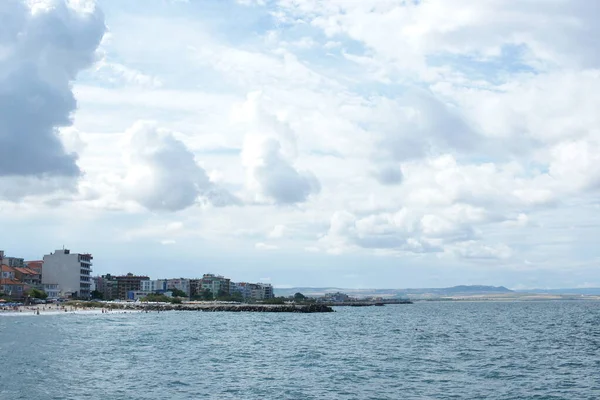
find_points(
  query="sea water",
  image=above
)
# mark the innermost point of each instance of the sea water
(426, 350)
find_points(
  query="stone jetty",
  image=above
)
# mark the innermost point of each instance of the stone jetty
(290, 308)
(212, 307)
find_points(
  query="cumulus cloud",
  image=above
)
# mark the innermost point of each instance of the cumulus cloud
(269, 149)
(272, 177)
(42, 49)
(162, 173)
(408, 230)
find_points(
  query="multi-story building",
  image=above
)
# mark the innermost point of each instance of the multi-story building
(107, 285)
(129, 283)
(154, 286)
(180, 284)
(337, 297)
(9, 284)
(36, 265)
(28, 276)
(11, 261)
(217, 284)
(195, 287)
(254, 291)
(52, 290)
(69, 270)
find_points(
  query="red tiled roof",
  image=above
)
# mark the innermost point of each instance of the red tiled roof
(6, 268)
(34, 264)
(7, 281)
(26, 271)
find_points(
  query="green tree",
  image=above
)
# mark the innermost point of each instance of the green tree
(37, 294)
(97, 295)
(155, 297)
(178, 293)
(207, 294)
(299, 297)
(235, 296)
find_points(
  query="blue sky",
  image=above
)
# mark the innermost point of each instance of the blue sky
(305, 143)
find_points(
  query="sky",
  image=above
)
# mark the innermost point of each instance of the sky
(358, 144)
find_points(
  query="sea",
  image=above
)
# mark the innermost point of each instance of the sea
(426, 350)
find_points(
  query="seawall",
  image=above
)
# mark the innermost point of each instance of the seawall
(216, 307)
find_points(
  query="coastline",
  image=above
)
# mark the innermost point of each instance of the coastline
(124, 307)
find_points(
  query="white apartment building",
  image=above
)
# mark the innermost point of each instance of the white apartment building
(153, 286)
(52, 290)
(71, 271)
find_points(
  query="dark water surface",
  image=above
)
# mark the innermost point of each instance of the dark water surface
(529, 350)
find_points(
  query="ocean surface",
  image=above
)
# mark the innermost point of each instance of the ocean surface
(427, 350)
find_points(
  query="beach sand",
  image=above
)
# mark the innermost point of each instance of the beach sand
(56, 309)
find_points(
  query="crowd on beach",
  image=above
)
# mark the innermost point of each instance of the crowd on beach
(53, 309)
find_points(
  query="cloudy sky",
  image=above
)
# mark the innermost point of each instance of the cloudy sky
(384, 143)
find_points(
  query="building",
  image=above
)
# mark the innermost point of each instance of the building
(195, 287)
(36, 266)
(154, 286)
(107, 285)
(71, 271)
(129, 283)
(52, 290)
(28, 276)
(254, 291)
(10, 285)
(336, 297)
(180, 284)
(217, 284)
(11, 261)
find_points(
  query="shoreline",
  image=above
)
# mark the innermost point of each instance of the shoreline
(121, 308)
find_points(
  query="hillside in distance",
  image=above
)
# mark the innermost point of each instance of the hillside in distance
(397, 293)
(567, 291)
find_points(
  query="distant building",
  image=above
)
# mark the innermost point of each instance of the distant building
(11, 261)
(129, 283)
(107, 285)
(69, 270)
(195, 287)
(9, 285)
(180, 284)
(35, 265)
(153, 286)
(336, 297)
(28, 276)
(254, 291)
(52, 290)
(216, 284)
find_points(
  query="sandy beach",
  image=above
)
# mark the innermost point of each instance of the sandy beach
(57, 309)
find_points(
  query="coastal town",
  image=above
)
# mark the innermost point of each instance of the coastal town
(65, 275)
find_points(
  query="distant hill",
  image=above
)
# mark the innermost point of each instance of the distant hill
(575, 291)
(462, 289)
(423, 292)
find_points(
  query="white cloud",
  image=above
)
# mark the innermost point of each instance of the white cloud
(162, 173)
(278, 232)
(265, 246)
(272, 177)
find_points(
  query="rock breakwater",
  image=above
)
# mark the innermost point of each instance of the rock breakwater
(214, 307)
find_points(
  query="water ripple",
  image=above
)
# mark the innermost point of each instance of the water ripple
(543, 350)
